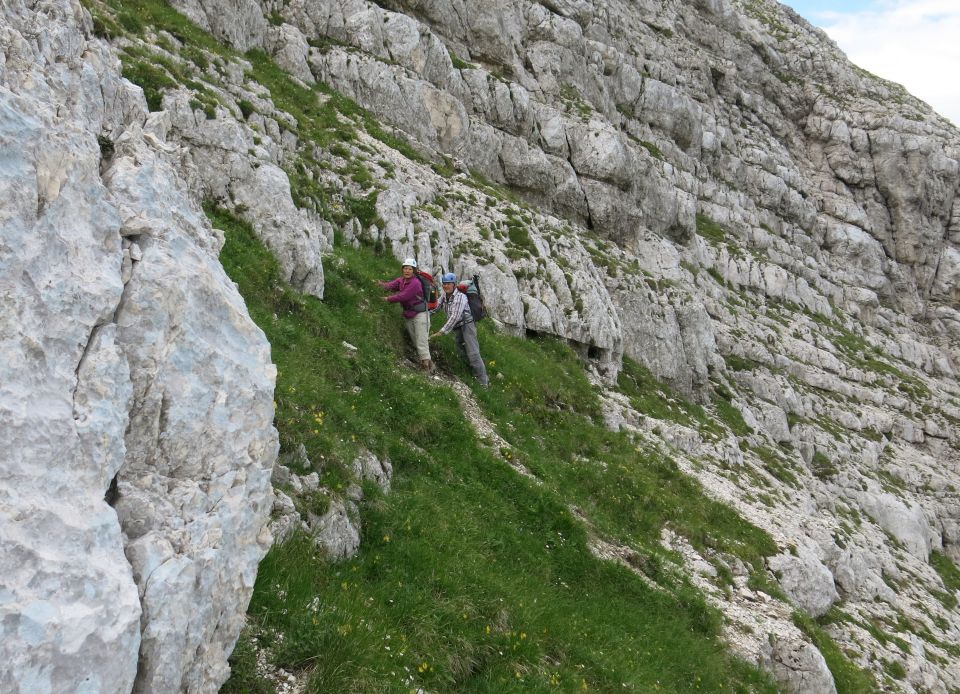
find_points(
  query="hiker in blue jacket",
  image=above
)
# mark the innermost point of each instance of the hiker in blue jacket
(460, 321)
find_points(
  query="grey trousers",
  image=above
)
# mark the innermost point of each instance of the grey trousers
(418, 328)
(466, 337)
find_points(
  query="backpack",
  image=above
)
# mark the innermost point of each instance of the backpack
(474, 298)
(431, 292)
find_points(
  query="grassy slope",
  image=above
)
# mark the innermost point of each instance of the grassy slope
(471, 577)
(481, 580)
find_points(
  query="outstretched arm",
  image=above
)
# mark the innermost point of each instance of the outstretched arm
(408, 293)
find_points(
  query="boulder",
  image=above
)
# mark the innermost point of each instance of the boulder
(194, 491)
(798, 666)
(367, 466)
(806, 580)
(335, 531)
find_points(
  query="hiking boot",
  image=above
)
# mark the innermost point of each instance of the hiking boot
(426, 365)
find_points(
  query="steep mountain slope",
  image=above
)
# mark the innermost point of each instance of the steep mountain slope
(708, 188)
(478, 571)
(815, 293)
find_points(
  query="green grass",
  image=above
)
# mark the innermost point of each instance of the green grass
(710, 230)
(482, 578)
(243, 670)
(730, 415)
(949, 574)
(655, 399)
(848, 678)
(470, 577)
(778, 466)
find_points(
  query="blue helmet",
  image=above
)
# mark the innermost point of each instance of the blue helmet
(448, 277)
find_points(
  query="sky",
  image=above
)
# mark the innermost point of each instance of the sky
(913, 42)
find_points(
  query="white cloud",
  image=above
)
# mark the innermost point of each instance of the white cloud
(913, 42)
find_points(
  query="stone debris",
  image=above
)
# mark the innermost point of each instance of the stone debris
(283, 681)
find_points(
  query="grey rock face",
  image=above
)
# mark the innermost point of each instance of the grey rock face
(367, 466)
(217, 161)
(194, 494)
(286, 519)
(69, 607)
(244, 26)
(132, 377)
(905, 522)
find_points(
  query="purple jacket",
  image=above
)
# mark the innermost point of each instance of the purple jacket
(409, 293)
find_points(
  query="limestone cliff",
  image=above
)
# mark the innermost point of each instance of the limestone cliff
(710, 188)
(135, 391)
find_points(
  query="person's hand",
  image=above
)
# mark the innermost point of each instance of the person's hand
(386, 298)
(434, 335)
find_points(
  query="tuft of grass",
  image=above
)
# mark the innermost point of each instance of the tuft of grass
(246, 108)
(774, 463)
(949, 574)
(653, 149)
(519, 236)
(364, 209)
(459, 63)
(730, 415)
(895, 669)
(737, 363)
(717, 277)
(823, 468)
(710, 230)
(570, 95)
(152, 79)
(666, 32)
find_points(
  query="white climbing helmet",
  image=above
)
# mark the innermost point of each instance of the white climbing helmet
(412, 262)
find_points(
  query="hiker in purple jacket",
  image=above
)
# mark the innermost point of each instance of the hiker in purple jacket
(408, 292)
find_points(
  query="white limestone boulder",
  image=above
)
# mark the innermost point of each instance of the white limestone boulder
(806, 580)
(798, 667)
